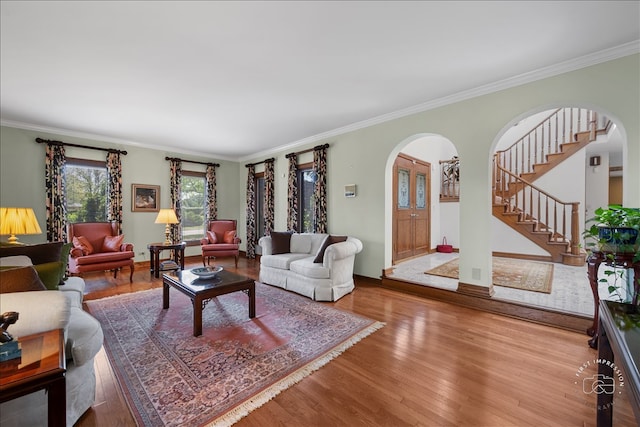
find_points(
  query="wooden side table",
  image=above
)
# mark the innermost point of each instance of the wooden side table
(156, 248)
(619, 259)
(41, 366)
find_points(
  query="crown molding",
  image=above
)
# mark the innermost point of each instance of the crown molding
(617, 52)
(112, 140)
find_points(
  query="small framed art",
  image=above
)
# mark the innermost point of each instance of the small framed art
(145, 198)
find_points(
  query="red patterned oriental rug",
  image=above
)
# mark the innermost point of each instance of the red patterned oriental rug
(171, 378)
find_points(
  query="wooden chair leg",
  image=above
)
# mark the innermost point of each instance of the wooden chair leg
(115, 273)
(236, 257)
(131, 275)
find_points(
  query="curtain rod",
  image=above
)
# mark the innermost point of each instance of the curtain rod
(193, 161)
(317, 147)
(258, 163)
(48, 141)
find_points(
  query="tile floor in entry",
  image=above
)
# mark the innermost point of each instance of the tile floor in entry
(570, 290)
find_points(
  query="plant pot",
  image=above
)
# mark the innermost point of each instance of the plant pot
(617, 239)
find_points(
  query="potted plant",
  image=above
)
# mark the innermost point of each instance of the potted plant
(613, 231)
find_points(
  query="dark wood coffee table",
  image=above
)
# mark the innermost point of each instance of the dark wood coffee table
(200, 291)
(41, 366)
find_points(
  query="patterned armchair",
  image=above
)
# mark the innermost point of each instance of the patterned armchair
(221, 240)
(98, 247)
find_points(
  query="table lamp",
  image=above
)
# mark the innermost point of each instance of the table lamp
(166, 216)
(18, 221)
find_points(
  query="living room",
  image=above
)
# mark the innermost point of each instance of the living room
(360, 152)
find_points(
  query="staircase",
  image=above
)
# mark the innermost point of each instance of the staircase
(547, 221)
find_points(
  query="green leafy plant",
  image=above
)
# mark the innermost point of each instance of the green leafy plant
(614, 230)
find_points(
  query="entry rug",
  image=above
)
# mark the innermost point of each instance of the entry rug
(171, 378)
(508, 272)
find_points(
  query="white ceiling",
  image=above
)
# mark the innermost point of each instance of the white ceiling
(237, 79)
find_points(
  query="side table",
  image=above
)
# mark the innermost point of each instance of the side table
(619, 259)
(41, 366)
(156, 248)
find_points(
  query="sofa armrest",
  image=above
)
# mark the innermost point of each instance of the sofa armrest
(126, 247)
(204, 242)
(265, 245)
(75, 252)
(84, 337)
(39, 311)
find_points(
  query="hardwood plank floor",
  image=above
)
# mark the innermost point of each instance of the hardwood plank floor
(433, 364)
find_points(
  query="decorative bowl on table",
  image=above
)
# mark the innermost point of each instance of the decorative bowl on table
(206, 272)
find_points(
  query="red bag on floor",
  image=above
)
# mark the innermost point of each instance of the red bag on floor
(444, 248)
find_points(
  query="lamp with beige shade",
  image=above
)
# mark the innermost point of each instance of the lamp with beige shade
(166, 216)
(18, 221)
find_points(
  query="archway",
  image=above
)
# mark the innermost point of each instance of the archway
(430, 148)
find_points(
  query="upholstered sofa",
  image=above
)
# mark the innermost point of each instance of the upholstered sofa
(312, 265)
(98, 247)
(41, 309)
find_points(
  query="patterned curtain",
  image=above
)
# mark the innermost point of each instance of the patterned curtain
(269, 177)
(114, 189)
(212, 212)
(292, 193)
(176, 191)
(252, 241)
(55, 193)
(320, 190)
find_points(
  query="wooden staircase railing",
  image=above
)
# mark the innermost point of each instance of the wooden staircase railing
(560, 127)
(547, 215)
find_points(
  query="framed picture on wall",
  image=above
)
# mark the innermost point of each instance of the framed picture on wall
(145, 198)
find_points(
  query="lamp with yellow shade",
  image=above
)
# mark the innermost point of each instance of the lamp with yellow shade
(166, 216)
(18, 221)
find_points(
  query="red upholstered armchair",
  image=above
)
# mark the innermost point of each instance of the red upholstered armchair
(221, 240)
(98, 247)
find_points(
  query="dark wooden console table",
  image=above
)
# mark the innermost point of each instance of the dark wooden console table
(156, 248)
(623, 260)
(619, 343)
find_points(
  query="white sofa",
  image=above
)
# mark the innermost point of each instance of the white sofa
(45, 310)
(295, 270)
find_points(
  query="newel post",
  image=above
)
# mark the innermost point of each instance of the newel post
(575, 231)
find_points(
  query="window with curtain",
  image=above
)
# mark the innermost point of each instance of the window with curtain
(306, 185)
(193, 198)
(86, 190)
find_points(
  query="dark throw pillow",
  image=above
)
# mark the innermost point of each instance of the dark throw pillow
(21, 279)
(64, 259)
(330, 240)
(51, 274)
(280, 242)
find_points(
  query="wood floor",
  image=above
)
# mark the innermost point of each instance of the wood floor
(433, 364)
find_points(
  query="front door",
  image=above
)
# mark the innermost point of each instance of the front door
(411, 212)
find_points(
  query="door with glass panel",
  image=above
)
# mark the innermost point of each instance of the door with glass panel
(411, 212)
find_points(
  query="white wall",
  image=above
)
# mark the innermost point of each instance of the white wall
(365, 157)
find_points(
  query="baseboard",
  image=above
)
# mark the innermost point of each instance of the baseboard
(543, 316)
(541, 258)
(475, 290)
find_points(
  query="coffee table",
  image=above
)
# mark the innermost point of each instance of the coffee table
(41, 366)
(200, 291)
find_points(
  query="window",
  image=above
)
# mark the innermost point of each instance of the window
(193, 199)
(259, 194)
(306, 184)
(86, 190)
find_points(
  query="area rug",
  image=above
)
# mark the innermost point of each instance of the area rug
(171, 378)
(508, 272)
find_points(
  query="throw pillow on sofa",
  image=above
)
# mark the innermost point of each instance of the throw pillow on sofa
(21, 279)
(212, 238)
(330, 240)
(280, 242)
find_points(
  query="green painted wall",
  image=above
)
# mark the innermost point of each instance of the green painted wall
(364, 157)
